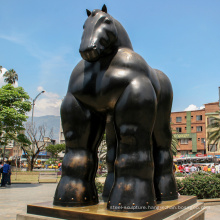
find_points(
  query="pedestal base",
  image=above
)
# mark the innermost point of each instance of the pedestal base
(185, 206)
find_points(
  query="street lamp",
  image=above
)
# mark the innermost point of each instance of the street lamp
(34, 100)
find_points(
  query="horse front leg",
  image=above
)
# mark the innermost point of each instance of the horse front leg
(83, 131)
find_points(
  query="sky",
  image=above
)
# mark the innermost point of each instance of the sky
(40, 41)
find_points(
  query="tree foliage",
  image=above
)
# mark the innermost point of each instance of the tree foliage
(214, 130)
(10, 76)
(55, 149)
(14, 105)
(174, 144)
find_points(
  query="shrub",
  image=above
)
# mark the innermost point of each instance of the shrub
(99, 187)
(180, 174)
(201, 184)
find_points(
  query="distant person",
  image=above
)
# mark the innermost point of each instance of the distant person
(193, 168)
(187, 169)
(209, 168)
(199, 168)
(1, 169)
(213, 169)
(181, 168)
(9, 175)
(205, 168)
(174, 168)
(6, 169)
(177, 169)
(216, 168)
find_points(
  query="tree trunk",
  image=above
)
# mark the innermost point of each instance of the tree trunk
(31, 164)
(29, 167)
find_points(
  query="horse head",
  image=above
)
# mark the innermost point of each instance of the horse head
(99, 35)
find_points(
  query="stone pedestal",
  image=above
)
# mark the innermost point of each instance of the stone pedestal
(185, 207)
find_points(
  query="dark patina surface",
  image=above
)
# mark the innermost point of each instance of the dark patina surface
(113, 87)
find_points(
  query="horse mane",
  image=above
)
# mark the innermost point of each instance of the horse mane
(123, 38)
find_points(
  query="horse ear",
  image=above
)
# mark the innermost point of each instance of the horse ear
(88, 12)
(104, 8)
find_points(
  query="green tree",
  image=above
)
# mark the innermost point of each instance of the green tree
(174, 145)
(102, 152)
(55, 149)
(14, 105)
(10, 76)
(214, 130)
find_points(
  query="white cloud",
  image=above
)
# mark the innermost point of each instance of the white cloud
(13, 38)
(48, 103)
(2, 82)
(193, 108)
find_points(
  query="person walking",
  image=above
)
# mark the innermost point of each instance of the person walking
(193, 168)
(187, 169)
(6, 169)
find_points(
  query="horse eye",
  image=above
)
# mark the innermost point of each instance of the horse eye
(107, 21)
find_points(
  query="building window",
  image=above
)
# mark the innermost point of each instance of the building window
(212, 147)
(179, 130)
(198, 128)
(198, 117)
(184, 141)
(202, 140)
(178, 119)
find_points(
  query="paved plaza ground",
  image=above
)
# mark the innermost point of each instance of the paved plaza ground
(14, 200)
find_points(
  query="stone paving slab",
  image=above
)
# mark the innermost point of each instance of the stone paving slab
(14, 200)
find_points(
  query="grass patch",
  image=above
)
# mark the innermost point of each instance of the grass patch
(28, 177)
(32, 177)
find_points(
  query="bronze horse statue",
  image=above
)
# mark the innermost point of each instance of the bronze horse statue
(113, 88)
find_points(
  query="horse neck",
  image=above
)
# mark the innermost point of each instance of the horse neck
(123, 38)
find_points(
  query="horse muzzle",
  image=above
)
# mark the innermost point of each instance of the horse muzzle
(90, 54)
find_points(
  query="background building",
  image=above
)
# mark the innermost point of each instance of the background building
(190, 129)
(211, 110)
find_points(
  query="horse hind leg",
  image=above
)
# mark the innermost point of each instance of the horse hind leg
(83, 131)
(133, 188)
(164, 181)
